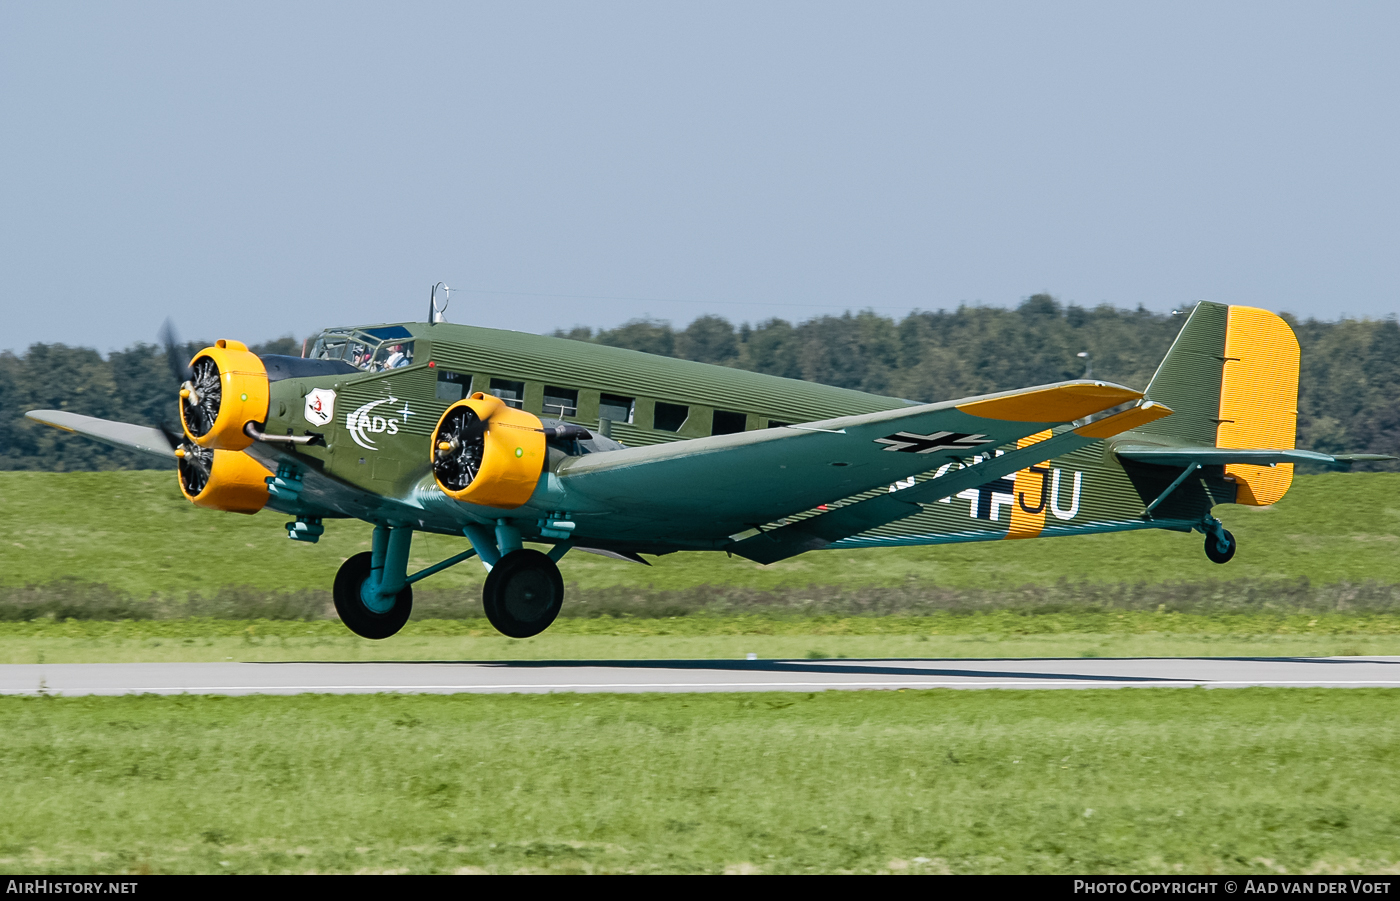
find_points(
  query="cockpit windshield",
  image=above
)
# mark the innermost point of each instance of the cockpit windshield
(371, 350)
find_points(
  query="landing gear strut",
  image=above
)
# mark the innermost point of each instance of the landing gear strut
(523, 593)
(374, 618)
(371, 592)
(1220, 544)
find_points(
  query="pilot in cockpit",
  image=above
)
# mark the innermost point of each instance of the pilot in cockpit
(399, 355)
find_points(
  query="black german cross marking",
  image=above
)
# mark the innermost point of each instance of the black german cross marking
(911, 443)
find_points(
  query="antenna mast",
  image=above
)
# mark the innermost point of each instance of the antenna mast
(434, 311)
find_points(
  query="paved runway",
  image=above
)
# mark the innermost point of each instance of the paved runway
(540, 676)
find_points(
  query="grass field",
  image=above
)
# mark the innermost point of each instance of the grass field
(916, 782)
(134, 532)
(117, 567)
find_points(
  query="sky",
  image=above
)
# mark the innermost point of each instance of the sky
(257, 169)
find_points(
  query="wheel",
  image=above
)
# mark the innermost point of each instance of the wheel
(1214, 552)
(377, 619)
(523, 593)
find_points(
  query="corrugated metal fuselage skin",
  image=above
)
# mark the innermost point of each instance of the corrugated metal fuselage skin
(379, 438)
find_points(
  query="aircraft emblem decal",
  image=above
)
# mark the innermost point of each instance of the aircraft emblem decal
(912, 443)
(361, 424)
(320, 406)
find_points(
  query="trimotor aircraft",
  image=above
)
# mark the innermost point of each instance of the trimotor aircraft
(504, 438)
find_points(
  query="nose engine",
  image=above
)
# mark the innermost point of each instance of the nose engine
(488, 453)
(226, 389)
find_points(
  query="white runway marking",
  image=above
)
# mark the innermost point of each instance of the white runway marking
(494, 677)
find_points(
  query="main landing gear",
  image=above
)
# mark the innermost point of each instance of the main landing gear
(371, 593)
(363, 610)
(1220, 543)
(523, 594)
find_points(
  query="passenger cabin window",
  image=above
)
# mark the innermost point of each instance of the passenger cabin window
(727, 423)
(453, 386)
(560, 402)
(617, 408)
(513, 393)
(775, 424)
(670, 417)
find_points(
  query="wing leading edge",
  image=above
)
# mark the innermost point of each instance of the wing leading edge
(125, 435)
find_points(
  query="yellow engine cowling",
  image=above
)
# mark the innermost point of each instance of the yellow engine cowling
(222, 479)
(486, 452)
(242, 396)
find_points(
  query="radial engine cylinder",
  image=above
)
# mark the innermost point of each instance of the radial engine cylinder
(228, 389)
(221, 479)
(485, 452)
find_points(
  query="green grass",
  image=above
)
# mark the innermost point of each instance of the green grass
(134, 532)
(1127, 781)
(995, 634)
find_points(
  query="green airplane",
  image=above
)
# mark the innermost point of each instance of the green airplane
(505, 438)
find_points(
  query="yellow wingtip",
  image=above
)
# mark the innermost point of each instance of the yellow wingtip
(1122, 422)
(1054, 404)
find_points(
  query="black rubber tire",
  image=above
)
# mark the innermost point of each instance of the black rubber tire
(523, 593)
(358, 618)
(1215, 554)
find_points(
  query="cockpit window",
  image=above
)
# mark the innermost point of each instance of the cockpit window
(329, 346)
(392, 356)
(359, 354)
(370, 350)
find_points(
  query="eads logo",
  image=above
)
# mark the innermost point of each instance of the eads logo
(362, 424)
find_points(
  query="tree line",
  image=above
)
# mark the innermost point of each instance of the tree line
(1349, 393)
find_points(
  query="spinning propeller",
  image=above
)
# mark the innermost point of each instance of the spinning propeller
(199, 404)
(201, 392)
(459, 447)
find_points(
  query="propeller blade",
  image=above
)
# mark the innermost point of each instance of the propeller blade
(174, 438)
(174, 357)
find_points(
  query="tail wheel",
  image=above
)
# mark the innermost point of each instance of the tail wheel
(1213, 550)
(523, 593)
(369, 618)
(458, 448)
(201, 397)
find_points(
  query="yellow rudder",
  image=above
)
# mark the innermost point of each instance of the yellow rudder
(1259, 400)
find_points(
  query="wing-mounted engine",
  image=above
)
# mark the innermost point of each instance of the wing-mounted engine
(221, 479)
(227, 389)
(488, 453)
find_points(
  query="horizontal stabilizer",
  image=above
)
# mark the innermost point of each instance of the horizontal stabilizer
(1221, 456)
(1348, 459)
(118, 434)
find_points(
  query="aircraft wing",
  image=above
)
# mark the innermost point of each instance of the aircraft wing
(316, 494)
(716, 486)
(140, 438)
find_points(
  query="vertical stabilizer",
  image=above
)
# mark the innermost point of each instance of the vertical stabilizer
(1231, 377)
